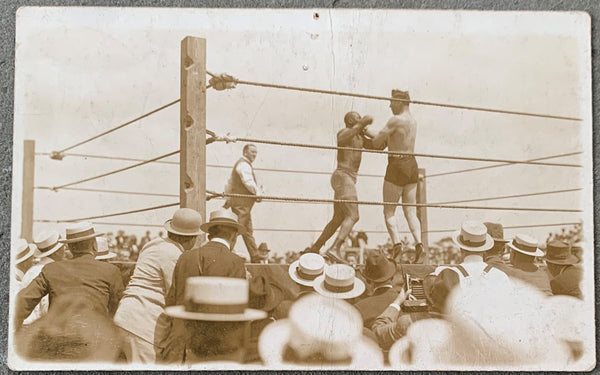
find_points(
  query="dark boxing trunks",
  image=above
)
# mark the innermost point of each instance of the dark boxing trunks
(402, 170)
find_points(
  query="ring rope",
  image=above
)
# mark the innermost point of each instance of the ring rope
(399, 153)
(211, 196)
(110, 191)
(225, 79)
(91, 156)
(500, 165)
(116, 171)
(511, 196)
(122, 213)
(376, 203)
(59, 153)
(311, 230)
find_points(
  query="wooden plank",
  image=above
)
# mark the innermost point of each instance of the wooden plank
(192, 165)
(27, 198)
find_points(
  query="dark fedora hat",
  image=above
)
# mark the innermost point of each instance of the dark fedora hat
(438, 287)
(559, 252)
(263, 294)
(496, 230)
(378, 268)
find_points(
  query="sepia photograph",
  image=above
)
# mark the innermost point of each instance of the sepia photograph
(301, 189)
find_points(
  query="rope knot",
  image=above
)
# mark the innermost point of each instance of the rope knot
(222, 82)
(57, 155)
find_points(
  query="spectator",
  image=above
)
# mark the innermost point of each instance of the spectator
(103, 253)
(565, 273)
(393, 323)
(494, 255)
(212, 259)
(23, 258)
(303, 272)
(215, 313)
(339, 281)
(49, 250)
(523, 251)
(145, 239)
(320, 333)
(379, 272)
(140, 310)
(473, 241)
(84, 276)
(263, 253)
(488, 325)
(70, 332)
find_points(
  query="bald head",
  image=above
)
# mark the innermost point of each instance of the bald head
(351, 119)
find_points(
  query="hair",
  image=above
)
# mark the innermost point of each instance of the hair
(215, 338)
(222, 231)
(247, 146)
(464, 253)
(84, 246)
(180, 238)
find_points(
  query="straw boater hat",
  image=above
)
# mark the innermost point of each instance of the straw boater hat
(525, 244)
(215, 299)
(378, 268)
(559, 252)
(78, 232)
(339, 281)
(319, 332)
(473, 236)
(185, 222)
(305, 270)
(103, 252)
(47, 243)
(223, 217)
(23, 250)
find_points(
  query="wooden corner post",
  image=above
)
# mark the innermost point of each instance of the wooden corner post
(192, 167)
(422, 211)
(27, 198)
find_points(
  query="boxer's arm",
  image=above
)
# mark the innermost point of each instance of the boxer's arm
(345, 135)
(393, 125)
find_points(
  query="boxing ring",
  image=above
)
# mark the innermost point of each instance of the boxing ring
(195, 190)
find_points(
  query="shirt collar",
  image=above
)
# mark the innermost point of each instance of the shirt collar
(473, 259)
(245, 158)
(167, 239)
(221, 241)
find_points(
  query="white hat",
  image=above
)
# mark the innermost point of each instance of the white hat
(223, 217)
(473, 236)
(185, 222)
(215, 299)
(305, 270)
(47, 243)
(23, 251)
(339, 281)
(81, 231)
(525, 244)
(318, 326)
(103, 252)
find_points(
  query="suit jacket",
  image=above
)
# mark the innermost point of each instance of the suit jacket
(212, 259)
(82, 276)
(371, 307)
(529, 273)
(567, 282)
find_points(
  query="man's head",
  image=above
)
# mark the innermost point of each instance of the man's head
(472, 238)
(397, 106)
(184, 227)
(496, 230)
(249, 151)
(48, 245)
(223, 224)
(351, 119)
(23, 254)
(81, 238)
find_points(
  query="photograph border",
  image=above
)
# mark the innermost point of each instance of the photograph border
(7, 64)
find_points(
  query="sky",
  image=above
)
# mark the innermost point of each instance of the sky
(81, 71)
